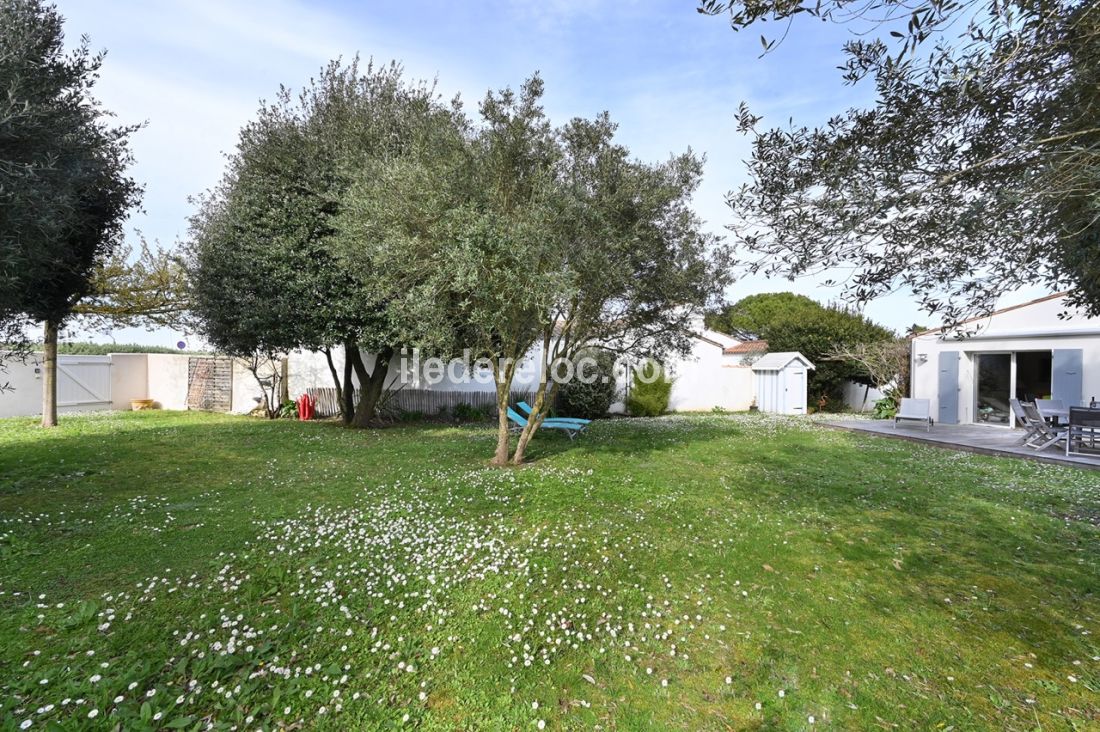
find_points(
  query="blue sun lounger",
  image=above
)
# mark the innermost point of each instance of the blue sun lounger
(526, 409)
(570, 428)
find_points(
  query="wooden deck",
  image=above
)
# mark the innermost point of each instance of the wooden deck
(983, 439)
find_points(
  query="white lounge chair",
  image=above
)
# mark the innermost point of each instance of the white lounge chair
(915, 410)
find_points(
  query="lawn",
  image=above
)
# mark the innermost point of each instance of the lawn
(185, 570)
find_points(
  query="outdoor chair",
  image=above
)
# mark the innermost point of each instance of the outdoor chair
(527, 410)
(1083, 431)
(570, 428)
(1046, 433)
(1030, 432)
(917, 410)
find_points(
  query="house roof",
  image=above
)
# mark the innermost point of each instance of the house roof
(1010, 308)
(780, 361)
(714, 338)
(748, 347)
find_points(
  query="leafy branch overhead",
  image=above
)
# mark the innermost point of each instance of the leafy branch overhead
(149, 289)
(976, 170)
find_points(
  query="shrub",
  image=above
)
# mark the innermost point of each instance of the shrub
(649, 399)
(885, 408)
(464, 412)
(590, 401)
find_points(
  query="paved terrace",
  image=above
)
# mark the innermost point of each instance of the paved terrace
(983, 439)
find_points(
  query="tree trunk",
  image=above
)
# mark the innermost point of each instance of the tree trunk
(49, 375)
(284, 381)
(370, 386)
(501, 455)
(336, 381)
(533, 423)
(348, 409)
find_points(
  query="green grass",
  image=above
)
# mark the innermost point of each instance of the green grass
(214, 569)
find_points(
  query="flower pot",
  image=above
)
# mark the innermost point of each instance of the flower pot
(138, 405)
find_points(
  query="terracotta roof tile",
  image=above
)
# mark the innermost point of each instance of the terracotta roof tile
(748, 347)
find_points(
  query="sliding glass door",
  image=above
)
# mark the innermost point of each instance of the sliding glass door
(994, 388)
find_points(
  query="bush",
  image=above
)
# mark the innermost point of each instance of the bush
(590, 401)
(885, 408)
(464, 412)
(649, 399)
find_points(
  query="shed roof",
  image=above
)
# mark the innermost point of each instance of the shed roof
(780, 361)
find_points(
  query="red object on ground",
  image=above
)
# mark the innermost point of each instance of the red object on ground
(306, 407)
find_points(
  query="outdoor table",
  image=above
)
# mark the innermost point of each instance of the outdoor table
(1060, 416)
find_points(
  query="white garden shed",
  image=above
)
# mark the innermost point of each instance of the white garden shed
(781, 382)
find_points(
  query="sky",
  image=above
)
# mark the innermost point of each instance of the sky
(195, 71)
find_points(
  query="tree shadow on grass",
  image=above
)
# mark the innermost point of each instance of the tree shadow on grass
(937, 537)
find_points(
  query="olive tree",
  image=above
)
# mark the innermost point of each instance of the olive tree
(267, 274)
(64, 188)
(533, 236)
(976, 169)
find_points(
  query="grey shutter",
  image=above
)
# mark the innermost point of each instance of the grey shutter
(1065, 382)
(949, 388)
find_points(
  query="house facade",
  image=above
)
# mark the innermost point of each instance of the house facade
(1044, 348)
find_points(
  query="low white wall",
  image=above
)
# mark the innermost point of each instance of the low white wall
(167, 381)
(859, 397)
(24, 397)
(129, 379)
(708, 378)
(247, 394)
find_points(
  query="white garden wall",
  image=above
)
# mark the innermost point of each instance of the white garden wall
(167, 380)
(129, 378)
(24, 398)
(859, 397)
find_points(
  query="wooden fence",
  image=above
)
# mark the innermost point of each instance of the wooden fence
(423, 401)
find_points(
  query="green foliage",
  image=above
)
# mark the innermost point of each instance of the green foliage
(149, 289)
(885, 408)
(64, 191)
(267, 274)
(790, 322)
(591, 400)
(525, 233)
(287, 410)
(975, 170)
(464, 412)
(649, 391)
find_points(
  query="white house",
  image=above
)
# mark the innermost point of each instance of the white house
(1039, 349)
(715, 373)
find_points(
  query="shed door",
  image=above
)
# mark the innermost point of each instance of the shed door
(1065, 382)
(796, 391)
(949, 388)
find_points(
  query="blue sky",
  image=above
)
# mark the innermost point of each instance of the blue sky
(196, 71)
